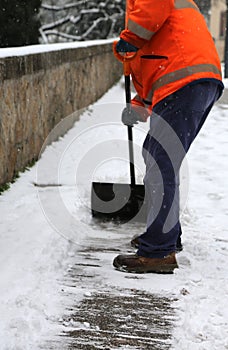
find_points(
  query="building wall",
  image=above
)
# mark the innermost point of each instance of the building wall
(214, 14)
(217, 25)
(38, 90)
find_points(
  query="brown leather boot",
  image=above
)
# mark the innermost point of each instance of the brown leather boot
(139, 264)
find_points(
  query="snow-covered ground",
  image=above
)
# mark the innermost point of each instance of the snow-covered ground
(42, 227)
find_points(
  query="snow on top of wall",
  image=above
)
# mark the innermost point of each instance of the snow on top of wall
(34, 49)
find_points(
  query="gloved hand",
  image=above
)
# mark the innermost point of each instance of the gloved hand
(124, 46)
(130, 116)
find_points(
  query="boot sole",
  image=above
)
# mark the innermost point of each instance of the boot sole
(162, 269)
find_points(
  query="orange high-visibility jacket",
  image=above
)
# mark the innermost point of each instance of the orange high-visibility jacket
(175, 31)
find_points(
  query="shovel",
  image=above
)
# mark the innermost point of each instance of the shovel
(120, 202)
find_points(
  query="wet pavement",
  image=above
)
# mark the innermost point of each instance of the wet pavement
(109, 317)
(126, 319)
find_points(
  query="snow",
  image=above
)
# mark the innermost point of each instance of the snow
(42, 228)
(35, 49)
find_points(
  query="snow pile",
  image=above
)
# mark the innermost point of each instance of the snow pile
(203, 264)
(32, 260)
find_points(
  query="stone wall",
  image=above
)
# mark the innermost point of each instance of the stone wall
(39, 90)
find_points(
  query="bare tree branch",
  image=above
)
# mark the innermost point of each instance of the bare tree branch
(64, 7)
(56, 23)
(82, 20)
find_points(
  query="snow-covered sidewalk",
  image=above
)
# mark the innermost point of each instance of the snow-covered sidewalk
(45, 229)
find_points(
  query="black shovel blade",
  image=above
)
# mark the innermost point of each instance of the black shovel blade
(118, 202)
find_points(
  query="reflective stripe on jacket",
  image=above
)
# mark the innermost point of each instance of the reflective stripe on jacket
(175, 47)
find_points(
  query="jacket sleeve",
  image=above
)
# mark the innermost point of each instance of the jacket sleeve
(145, 18)
(140, 108)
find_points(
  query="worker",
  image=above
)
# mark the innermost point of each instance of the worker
(177, 76)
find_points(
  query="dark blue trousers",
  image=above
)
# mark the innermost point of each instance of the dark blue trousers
(175, 122)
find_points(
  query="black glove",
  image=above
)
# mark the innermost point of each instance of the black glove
(130, 116)
(124, 46)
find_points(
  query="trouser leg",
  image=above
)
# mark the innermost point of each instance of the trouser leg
(175, 123)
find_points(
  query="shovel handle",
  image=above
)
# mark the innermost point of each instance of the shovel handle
(129, 129)
(126, 59)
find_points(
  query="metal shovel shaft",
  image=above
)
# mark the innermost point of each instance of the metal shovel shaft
(129, 129)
